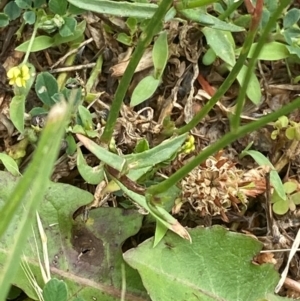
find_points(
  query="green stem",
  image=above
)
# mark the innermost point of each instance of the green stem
(94, 74)
(35, 28)
(223, 142)
(223, 88)
(235, 122)
(145, 40)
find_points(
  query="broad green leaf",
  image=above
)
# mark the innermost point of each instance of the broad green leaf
(17, 111)
(291, 17)
(92, 175)
(160, 54)
(281, 207)
(4, 20)
(29, 17)
(10, 164)
(295, 198)
(272, 51)
(39, 43)
(25, 4)
(87, 256)
(58, 6)
(274, 176)
(221, 44)
(46, 86)
(68, 28)
(12, 10)
(119, 8)
(216, 266)
(144, 90)
(289, 187)
(55, 290)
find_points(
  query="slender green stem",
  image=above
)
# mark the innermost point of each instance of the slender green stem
(94, 74)
(223, 88)
(35, 28)
(193, 4)
(29, 192)
(223, 142)
(145, 40)
(235, 121)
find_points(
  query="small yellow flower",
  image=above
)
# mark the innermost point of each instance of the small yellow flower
(18, 75)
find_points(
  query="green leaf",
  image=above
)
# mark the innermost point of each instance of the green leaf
(10, 164)
(85, 117)
(17, 111)
(198, 15)
(38, 3)
(160, 232)
(55, 290)
(29, 17)
(159, 213)
(46, 86)
(209, 57)
(281, 207)
(124, 39)
(68, 28)
(291, 17)
(221, 44)
(144, 90)
(72, 146)
(274, 176)
(178, 270)
(58, 6)
(103, 154)
(272, 51)
(39, 43)
(80, 28)
(4, 20)
(12, 10)
(157, 154)
(289, 187)
(141, 146)
(160, 54)
(290, 133)
(253, 86)
(29, 192)
(79, 253)
(132, 25)
(119, 8)
(92, 175)
(25, 4)
(295, 198)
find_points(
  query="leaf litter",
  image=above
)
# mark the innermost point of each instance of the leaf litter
(224, 190)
